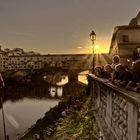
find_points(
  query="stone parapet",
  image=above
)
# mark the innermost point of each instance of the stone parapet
(117, 107)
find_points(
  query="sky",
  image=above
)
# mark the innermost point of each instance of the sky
(62, 26)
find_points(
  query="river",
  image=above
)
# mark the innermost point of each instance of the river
(23, 108)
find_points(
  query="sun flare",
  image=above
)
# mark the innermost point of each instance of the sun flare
(96, 47)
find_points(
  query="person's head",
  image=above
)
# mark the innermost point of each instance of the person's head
(116, 59)
(107, 68)
(120, 69)
(136, 66)
(98, 71)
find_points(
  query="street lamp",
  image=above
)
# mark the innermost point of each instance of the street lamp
(93, 38)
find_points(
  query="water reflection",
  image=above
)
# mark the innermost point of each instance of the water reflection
(24, 105)
(56, 91)
(64, 80)
(59, 91)
(52, 91)
(82, 77)
(21, 115)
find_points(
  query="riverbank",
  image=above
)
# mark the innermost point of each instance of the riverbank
(71, 118)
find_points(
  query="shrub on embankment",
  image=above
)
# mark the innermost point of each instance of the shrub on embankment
(78, 125)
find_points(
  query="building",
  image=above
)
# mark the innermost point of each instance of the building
(126, 41)
(65, 61)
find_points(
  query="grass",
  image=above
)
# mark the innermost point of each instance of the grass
(78, 125)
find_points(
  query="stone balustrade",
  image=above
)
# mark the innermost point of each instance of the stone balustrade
(117, 107)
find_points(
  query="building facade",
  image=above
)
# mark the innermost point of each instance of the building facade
(126, 41)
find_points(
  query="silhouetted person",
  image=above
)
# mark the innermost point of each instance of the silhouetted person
(134, 83)
(115, 61)
(98, 71)
(136, 54)
(122, 76)
(107, 71)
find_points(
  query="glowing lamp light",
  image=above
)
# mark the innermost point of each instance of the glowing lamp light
(92, 36)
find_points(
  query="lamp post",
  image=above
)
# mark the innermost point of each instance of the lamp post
(93, 38)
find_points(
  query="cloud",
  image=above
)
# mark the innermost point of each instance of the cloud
(79, 47)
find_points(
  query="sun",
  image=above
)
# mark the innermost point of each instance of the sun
(100, 49)
(97, 49)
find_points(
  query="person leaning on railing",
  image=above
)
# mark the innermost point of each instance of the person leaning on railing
(108, 71)
(115, 61)
(99, 71)
(134, 83)
(121, 75)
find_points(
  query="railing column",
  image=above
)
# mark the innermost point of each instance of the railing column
(98, 96)
(132, 122)
(109, 108)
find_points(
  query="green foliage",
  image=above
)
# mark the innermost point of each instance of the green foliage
(78, 125)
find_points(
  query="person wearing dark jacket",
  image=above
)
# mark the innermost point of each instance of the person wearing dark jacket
(134, 83)
(122, 76)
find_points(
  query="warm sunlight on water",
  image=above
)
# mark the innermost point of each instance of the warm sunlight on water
(63, 81)
(82, 77)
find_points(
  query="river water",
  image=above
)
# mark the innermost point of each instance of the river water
(22, 114)
(23, 108)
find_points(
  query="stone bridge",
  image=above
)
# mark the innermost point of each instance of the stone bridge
(63, 61)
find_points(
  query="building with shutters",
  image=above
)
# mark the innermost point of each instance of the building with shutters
(126, 41)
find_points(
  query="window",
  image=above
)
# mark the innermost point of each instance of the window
(125, 38)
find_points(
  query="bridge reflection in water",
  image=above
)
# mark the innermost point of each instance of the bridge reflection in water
(57, 90)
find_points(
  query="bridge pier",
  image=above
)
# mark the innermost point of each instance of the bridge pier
(73, 77)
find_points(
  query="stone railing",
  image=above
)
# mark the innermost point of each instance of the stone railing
(117, 107)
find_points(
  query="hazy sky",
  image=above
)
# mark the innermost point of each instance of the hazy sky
(62, 26)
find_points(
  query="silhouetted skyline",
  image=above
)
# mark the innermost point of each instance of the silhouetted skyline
(62, 26)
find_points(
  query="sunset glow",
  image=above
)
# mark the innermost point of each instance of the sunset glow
(98, 49)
